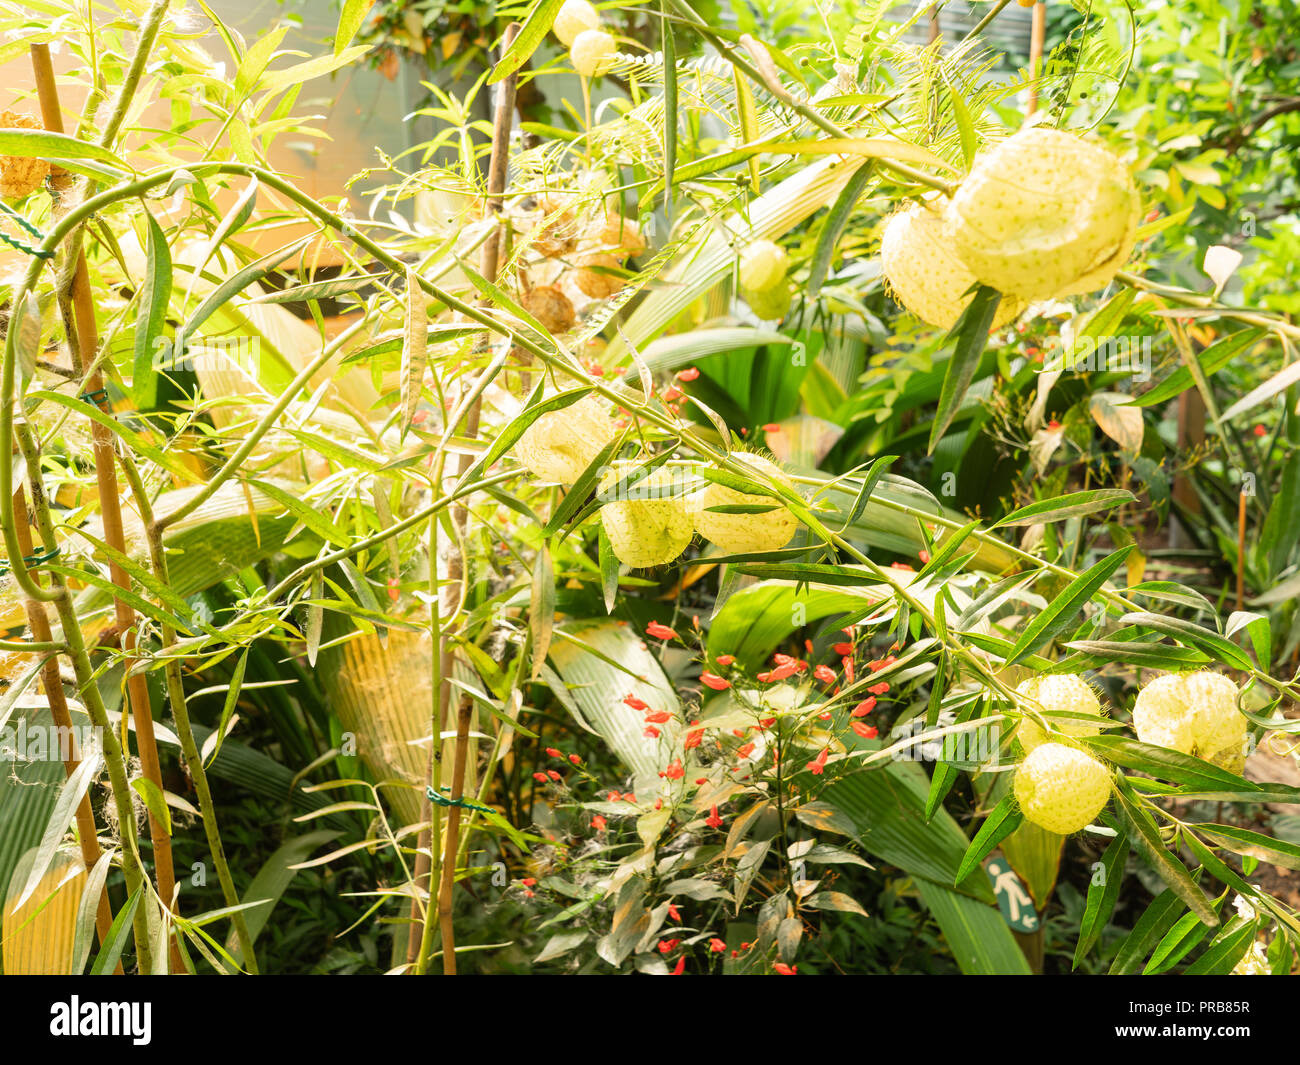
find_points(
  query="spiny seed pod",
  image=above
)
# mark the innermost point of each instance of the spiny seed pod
(925, 276)
(763, 266)
(574, 17)
(1195, 713)
(560, 445)
(772, 305)
(611, 230)
(1064, 693)
(1060, 788)
(551, 307)
(599, 283)
(20, 175)
(592, 53)
(744, 533)
(647, 523)
(1045, 214)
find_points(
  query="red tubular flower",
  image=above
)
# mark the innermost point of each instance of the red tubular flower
(863, 708)
(659, 804)
(598, 823)
(680, 967)
(1260, 431)
(785, 970)
(713, 820)
(691, 373)
(924, 556)
(393, 592)
(667, 946)
(659, 717)
(712, 680)
(701, 781)
(575, 759)
(867, 732)
(881, 663)
(726, 660)
(629, 797)
(693, 738)
(879, 689)
(745, 751)
(771, 427)
(672, 393)
(847, 663)
(716, 945)
(824, 674)
(825, 715)
(528, 881)
(540, 778)
(635, 703)
(613, 796)
(808, 646)
(764, 678)
(674, 913)
(783, 660)
(782, 672)
(843, 648)
(675, 770)
(818, 764)
(660, 632)
(651, 732)
(554, 753)
(554, 775)
(767, 722)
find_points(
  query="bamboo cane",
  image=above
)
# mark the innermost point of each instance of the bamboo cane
(84, 342)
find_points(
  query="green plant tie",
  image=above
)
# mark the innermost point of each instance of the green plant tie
(98, 397)
(16, 242)
(29, 561)
(442, 800)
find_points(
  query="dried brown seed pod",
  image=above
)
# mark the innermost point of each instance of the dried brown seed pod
(20, 175)
(612, 230)
(551, 307)
(596, 283)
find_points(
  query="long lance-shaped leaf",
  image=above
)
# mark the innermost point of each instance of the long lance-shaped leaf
(1071, 505)
(1000, 823)
(534, 30)
(670, 110)
(118, 933)
(1061, 611)
(1145, 836)
(1212, 360)
(44, 144)
(833, 227)
(151, 320)
(971, 334)
(65, 808)
(1103, 892)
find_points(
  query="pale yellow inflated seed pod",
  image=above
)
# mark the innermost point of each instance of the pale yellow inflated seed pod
(770, 306)
(763, 266)
(592, 53)
(744, 533)
(1058, 693)
(560, 445)
(573, 18)
(648, 523)
(1195, 713)
(925, 275)
(1061, 788)
(1045, 214)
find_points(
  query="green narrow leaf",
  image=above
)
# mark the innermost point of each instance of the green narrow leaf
(971, 334)
(232, 698)
(1177, 943)
(350, 19)
(945, 774)
(519, 424)
(747, 112)
(151, 319)
(1253, 844)
(44, 144)
(234, 220)
(1212, 360)
(415, 352)
(154, 800)
(1061, 611)
(609, 571)
(65, 808)
(670, 109)
(315, 617)
(28, 334)
(536, 26)
(118, 933)
(1000, 823)
(1146, 839)
(965, 126)
(542, 609)
(1102, 897)
(1071, 505)
(88, 909)
(837, 219)
(1155, 921)
(1228, 949)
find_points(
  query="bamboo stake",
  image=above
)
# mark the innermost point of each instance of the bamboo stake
(39, 624)
(445, 872)
(1241, 551)
(1037, 36)
(84, 342)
